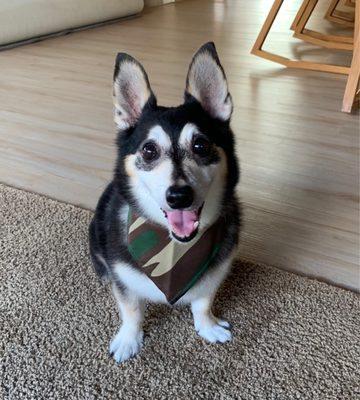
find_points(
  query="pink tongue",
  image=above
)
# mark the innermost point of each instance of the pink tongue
(182, 222)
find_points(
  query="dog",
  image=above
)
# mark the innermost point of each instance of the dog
(174, 189)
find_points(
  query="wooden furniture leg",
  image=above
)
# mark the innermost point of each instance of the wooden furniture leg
(340, 17)
(332, 14)
(299, 14)
(332, 8)
(258, 50)
(318, 35)
(354, 75)
(350, 3)
(318, 38)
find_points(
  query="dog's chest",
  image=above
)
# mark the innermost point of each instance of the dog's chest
(143, 287)
(173, 267)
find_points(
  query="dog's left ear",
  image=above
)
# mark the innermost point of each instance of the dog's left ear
(206, 82)
(131, 91)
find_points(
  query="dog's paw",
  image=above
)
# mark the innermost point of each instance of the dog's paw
(125, 345)
(217, 332)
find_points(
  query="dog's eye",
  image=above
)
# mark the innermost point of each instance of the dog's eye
(201, 147)
(150, 151)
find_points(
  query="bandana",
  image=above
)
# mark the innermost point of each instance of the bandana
(174, 267)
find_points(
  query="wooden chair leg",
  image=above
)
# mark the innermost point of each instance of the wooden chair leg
(341, 21)
(332, 8)
(333, 40)
(306, 15)
(346, 16)
(257, 48)
(340, 17)
(267, 25)
(299, 14)
(349, 3)
(354, 75)
(328, 41)
(352, 82)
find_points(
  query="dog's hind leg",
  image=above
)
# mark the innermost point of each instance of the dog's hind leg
(128, 340)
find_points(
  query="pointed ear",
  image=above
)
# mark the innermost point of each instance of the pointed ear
(206, 82)
(131, 91)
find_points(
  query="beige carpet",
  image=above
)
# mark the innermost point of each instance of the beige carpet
(294, 338)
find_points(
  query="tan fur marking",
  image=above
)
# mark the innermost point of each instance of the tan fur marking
(130, 165)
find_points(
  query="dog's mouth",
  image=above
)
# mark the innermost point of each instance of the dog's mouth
(184, 224)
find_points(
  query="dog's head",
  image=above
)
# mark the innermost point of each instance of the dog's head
(177, 165)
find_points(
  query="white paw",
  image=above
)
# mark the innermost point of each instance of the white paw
(126, 344)
(216, 332)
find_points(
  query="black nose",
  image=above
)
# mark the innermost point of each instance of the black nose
(179, 196)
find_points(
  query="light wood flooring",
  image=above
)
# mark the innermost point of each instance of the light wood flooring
(299, 154)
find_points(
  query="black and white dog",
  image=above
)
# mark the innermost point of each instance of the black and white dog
(176, 168)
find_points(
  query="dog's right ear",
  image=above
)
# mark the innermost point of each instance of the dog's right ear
(131, 91)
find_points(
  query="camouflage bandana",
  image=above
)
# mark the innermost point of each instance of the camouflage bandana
(174, 267)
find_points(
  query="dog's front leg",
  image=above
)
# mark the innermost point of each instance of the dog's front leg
(206, 324)
(128, 340)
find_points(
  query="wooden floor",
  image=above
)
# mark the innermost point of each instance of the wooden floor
(299, 153)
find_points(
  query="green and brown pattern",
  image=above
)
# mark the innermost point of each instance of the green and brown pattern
(173, 267)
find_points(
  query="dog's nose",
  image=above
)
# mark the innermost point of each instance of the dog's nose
(180, 196)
